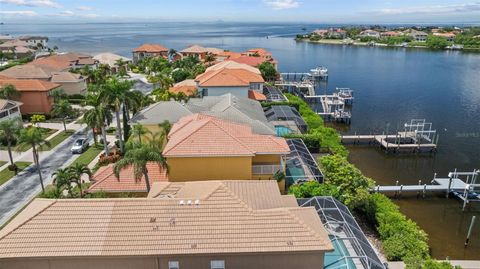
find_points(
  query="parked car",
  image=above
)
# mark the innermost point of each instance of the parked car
(80, 145)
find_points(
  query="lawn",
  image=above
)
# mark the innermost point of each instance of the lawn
(88, 156)
(59, 138)
(6, 174)
(47, 132)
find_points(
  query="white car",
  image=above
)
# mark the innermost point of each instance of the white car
(79, 146)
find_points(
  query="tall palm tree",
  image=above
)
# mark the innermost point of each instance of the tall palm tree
(9, 130)
(9, 91)
(78, 170)
(33, 137)
(115, 93)
(58, 95)
(98, 117)
(139, 155)
(62, 109)
(138, 131)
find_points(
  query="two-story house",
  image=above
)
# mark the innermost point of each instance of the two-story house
(149, 50)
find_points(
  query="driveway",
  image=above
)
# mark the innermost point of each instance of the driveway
(19, 190)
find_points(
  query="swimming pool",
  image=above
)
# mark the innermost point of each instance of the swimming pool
(282, 130)
(339, 257)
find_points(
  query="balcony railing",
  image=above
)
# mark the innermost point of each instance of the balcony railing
(266, 169)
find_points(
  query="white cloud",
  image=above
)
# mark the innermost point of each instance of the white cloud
(437, 9)
(84, 8)
(89, 16)
(19, 13)
(32, 3)
(282, 4)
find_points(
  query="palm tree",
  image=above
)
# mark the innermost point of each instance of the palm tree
(97, 118)
(33, 137)
(209, 58)
(139, 130)
(9, 130)
(62, 109)
(78, 170)
(171, 54)
(58, 95)
(139, 155)
(63, 179)
(9, 91)
(115, 93)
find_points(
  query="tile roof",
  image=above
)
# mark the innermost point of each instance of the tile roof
(105, 179)
(228, 106)
(222, 217)
(13, 43)
(229, 54)
(110, 59)
(194, 49)
(66, 77)
(233, 65)
(227, 77)
(151, 48)
(59, 62)
(26, 72)
(250, 60)
(254, 95)
(260, 51)
(202, 135)
(29, 85)
(188, 87)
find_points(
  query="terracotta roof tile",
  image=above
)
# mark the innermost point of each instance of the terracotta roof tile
(219, 218)
(202, 135)
(151, 48)
(228, 77)
(105, 179)
(254, 95)
(26, 72)
(188, 87)
(29, 85)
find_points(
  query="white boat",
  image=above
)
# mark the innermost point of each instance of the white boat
(320, 71)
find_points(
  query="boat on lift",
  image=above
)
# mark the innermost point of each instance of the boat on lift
(320, 71)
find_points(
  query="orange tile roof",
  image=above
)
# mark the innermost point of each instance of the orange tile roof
(230, 54)
(151, 48)
(228, 77)
(254, 95)
(202, 135)
(250, 60)
(241, 217)
(26, 71)
(59, 62)
(260, 51)
(29, 85)
(105, 179)
(188, 87)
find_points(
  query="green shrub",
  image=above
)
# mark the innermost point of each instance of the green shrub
(313, 188)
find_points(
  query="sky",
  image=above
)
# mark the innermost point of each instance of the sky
(315, 11)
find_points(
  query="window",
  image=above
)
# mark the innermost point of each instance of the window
(217, 264)
(173, 265)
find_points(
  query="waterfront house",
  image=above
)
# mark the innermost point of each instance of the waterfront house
(229, 77)
(390, 33)
(337, 33)
(249, 60)
(229, 107)
(65, 61)
(104, 180)
(450, 37)
(204, 225)
(227, 55)
(149, 50)
(261, 53)
(187, 87)
(36, 94)
(418, 36)
(71, 83)
(216, 149)
(35, 41)
(321, 32)
(111, 60)
(370, 33)
(5, 38)
(9, 109)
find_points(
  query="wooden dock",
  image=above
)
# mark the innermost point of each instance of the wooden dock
(399, 141)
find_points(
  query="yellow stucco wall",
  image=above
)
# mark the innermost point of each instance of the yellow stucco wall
(209, 168)
(266, 159)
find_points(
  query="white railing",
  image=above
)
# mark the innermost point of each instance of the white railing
(266, 169)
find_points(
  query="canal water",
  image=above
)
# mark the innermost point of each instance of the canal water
(392, 86)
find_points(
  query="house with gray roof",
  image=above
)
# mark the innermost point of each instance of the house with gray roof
(228, 107)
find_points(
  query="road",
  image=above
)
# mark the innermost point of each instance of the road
(19, 190)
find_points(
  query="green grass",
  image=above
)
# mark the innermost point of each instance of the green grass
(88, 156)
(6, 174)
(47, 132)
(59, 138)
(2, 163)
(111, 130)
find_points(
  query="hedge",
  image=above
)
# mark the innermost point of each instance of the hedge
(401, 237)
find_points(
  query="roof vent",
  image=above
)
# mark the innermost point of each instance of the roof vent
(194, 245)
(289, 243)
(197, 202)
(155, 227)
(189, 202)
(182, 202)
(153, 219)
(172, 222)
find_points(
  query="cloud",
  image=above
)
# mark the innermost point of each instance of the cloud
(71, 14)
(84, 8)
(32, 3)
(89, 16)
(19, 13)
(282, 4)
(437, 9)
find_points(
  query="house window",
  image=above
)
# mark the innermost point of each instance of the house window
(173, 265)
(217, 264)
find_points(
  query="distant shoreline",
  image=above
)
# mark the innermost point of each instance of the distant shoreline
(366, 44)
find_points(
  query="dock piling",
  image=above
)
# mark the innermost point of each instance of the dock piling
(472, 222)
